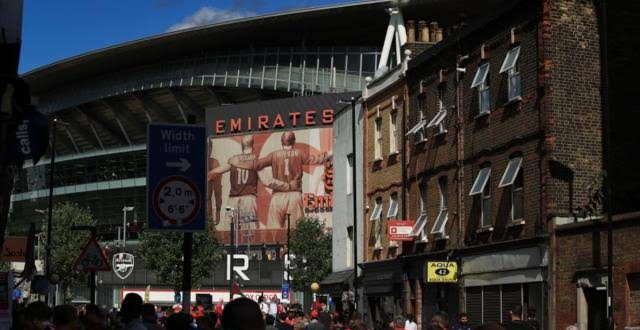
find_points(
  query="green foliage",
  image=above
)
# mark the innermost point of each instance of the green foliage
(67, 244)
(311, 246)
(162, 254)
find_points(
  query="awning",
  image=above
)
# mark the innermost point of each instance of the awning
(378, 278)
(334, 282)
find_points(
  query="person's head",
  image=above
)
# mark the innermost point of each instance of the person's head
(260, 299)
(178, 321)
(288, 139)
(65, 317)
(177, 308)
(205, 323)
(410, 318)
(131, 307)
(149, 313)
(516, 312)
(463, 318)
(313, 314)
(36, 314)
(247, 144)
(269, 319)
(531, 313)
(242, 314)
(94, 315)
(325, 319)
(440, 320)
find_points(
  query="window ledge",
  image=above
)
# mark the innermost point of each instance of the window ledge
(440, 237)
(377, 160)
(421, 142)
(516, 223)
(484, 230)
(377, 248)
(393, 246)
(513, 101)
(482, 115)
(441, 133)
(394, 153)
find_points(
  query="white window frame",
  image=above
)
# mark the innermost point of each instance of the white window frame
(514, 166)
(418, 229)
(349, 251)
(378, 138)
(440, 224)
(517, 189)
(392, 213)
(485, 196)
(481, 180)
(377, 210)
(438, 121)
(480, 82)
(393, 132)
(377, 235)
(513, 75)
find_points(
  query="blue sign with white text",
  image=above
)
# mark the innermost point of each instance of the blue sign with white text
(176, 177)
(285, 291)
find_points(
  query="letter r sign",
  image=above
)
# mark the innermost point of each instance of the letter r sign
(237, 269)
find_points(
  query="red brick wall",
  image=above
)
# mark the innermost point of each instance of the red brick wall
(575, 252)
(382, 177)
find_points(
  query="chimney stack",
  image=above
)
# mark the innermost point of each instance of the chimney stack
(433, 31)
(411, 31)
(424, 31)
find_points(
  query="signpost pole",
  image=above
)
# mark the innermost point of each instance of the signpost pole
(92, 287)
(187, 251)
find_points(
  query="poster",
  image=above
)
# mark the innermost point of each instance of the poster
(268, 161)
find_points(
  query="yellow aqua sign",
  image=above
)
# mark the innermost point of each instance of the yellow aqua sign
(442, 271)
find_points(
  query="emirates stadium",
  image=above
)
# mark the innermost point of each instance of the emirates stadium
(109, 96)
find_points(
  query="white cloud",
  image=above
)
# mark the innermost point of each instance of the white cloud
(208, 15)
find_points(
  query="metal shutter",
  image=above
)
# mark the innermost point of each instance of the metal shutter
(511, 295)
(474, 305)
(491, 303)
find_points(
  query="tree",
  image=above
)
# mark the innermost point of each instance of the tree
(311, 246)
(162, 254)
(67, 244)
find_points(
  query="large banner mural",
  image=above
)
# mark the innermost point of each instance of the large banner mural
(269, 161)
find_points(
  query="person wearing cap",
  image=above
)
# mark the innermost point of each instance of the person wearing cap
(177, 308)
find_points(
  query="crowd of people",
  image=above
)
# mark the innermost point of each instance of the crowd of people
(239, 314)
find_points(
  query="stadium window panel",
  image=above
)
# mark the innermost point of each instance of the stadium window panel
(377, 210)
(511, 172)
(481, 75)
(510, 60)
(393, 207)
(481, 181)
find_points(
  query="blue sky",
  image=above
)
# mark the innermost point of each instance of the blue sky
(55, 30)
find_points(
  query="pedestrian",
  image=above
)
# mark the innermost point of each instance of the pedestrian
(281, 322)
(410, 323)
(219, 307)
(516, 322)
(65, 317)
(491, 326)
(273, 306)
(314, 324)
(531, 318)
(37, 316)
(178, 321)
(463, 322)
(94, 318)
(264, 306)
(149, 317)
(439, 321)
(131, 312)
(242, 314)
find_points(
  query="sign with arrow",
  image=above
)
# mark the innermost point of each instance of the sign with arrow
(176, 177)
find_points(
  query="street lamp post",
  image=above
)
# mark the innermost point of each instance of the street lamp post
(124, 225)
(52, 163)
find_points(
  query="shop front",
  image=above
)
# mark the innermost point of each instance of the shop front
(382, 283)
(493, 283)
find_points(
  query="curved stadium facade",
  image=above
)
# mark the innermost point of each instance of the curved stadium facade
(110, 95)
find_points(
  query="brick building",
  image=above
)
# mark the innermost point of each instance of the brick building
(384, 107)
(507, 139)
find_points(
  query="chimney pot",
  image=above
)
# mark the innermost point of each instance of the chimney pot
(433, 30)
(424, 31)
(411, 31)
